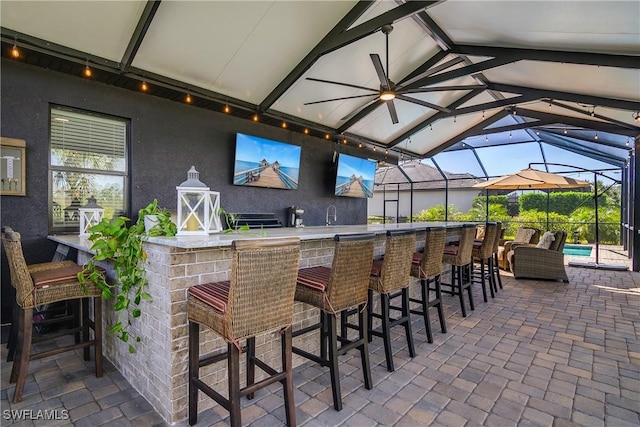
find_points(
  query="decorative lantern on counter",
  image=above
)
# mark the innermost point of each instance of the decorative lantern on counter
(197, 206)
(90, 215)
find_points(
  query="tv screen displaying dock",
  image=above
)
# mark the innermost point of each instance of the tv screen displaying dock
(355, 176)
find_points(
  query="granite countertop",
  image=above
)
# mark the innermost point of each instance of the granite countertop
(225, 239)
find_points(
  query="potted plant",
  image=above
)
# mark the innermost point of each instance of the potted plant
(123, 243)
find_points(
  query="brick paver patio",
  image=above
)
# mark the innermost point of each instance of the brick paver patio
(539, 354)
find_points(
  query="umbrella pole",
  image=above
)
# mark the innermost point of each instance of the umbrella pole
(548, 191)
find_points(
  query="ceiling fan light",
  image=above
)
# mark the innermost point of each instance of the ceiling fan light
(387, 95)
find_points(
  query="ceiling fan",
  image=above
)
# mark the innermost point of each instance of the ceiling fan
(388, 90)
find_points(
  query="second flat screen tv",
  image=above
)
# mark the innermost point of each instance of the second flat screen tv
(265, 163)
(355, 176)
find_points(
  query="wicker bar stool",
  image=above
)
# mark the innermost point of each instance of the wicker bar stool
(495, 268)
(258, 298)
(390, 274)
(483, 253)
(44, 287)
(427, 266)
(332, 290)
(459, 257)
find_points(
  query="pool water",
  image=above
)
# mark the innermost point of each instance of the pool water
(577, 250)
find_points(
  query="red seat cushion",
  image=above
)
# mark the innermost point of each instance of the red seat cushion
(376, 268)
(316, 278)
(214, 294)
(451, 250)
(417, 258)
(57, 275)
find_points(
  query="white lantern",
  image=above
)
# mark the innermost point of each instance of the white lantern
(90, 214)
(197, 207)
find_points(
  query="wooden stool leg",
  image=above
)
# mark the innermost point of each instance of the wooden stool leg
(483, 281)
(386, 331)
(23, 353)
(85, 326)
(443, 324)
(287, 366)
(407, 321)
(425, 309)
(13, 333)
(333, 360)
(233, 363)
(251, 363)
(364, 347)
(97, 334)
(18, 344)
(194, 356)
(460, 293)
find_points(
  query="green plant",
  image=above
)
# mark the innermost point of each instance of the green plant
(115, 240)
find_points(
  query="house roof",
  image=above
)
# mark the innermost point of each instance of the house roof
(424, 177)
(534, 69)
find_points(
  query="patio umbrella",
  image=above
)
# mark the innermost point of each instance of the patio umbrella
(531, 179)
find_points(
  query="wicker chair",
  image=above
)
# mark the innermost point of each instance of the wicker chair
(392, 274)
(72, 309)
(459, 257)
(257, 299)
(427, 267)
(528, 261)
(44, 287)
(506, 246)
(483, 253)
(332, 290)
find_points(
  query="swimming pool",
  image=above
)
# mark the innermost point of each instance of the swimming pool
(577, 250)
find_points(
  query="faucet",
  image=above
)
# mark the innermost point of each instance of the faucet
(335, 216)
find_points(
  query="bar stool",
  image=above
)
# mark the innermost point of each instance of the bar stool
(390, 274)
(495, 268)
(45, 287)
(483, 253)
(427, 266)
(257, 298)
(459, 257)
(332, 290)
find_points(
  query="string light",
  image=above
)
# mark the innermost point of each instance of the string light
(537, 132)
(374, 148)
(565, 130)
(550, 105)
(306, 131)
(593, 112)
(187, 99)
(327, 136)
(284, 125)
(144, 87)
(510, 136)
(486, 138)
(430, 126)
(344, 140)
(87, 71)
(454, 119)
(596, 137)
(226, 109)
(628, 141)
(255, 117)
(359, 144)
(386, 151)
(483, 114)
(15, 52)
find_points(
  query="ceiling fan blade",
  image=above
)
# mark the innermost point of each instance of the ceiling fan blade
(341, 84)
(357, 110)
(377, 63)
(423, 103)
(440, 89)
(392, 111)
(339, 99)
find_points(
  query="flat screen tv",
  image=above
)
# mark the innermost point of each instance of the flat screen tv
(355, 176)
(265, 163)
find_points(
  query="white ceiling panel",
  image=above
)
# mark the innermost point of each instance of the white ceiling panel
(593, 26)
(101, 28)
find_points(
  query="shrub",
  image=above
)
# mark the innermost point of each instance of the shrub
(563, 203)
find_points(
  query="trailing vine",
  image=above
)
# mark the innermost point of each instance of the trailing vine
(115, 240)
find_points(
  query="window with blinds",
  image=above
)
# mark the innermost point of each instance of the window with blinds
(88, 158)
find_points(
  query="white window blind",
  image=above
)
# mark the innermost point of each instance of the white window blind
(85, 141)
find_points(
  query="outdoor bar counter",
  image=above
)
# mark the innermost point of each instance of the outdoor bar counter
(158, 370)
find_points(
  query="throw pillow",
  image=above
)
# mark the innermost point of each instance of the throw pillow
(547, 239)
(523, 235)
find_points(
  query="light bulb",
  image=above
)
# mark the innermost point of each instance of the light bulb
(227, 109)
(187, 99)
(15, 52)
(306, 131)
(327, 136)
(87, 71)
(256, 117)
(144, 87)
(284, 125)
(596, 137)
(564, 131)
(359, 144)
(387, 95)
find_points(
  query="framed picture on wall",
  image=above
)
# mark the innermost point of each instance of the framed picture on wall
(12, 167)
